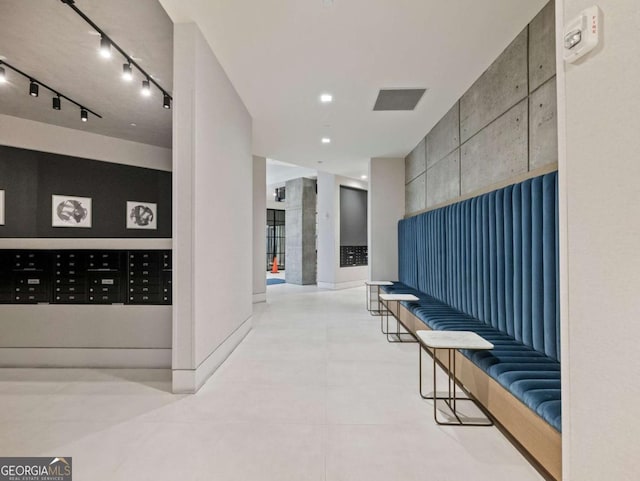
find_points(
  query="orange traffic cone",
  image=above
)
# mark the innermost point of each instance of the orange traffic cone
(274, 268)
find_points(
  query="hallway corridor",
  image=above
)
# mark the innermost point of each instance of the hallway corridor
(313, 393)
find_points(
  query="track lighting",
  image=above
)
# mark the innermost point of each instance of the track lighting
(127, 74)
(105, 47)
(34, 90)
(146, 88)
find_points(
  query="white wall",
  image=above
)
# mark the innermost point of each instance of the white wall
(599, 122)
(80, 335)
(259, 228)
(386, 208)
(113, 336)
(213, 212)
(28, 134)
(330, 274)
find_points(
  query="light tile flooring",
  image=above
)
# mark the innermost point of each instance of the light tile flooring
(313, 393)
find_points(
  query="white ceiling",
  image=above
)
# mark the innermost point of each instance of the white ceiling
(282, 54)
(48, 41)
(279, 172)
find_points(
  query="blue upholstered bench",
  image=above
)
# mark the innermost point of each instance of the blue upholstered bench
(490, 265)
(529, 375)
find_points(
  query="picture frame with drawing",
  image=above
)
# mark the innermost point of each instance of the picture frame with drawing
(70, 211)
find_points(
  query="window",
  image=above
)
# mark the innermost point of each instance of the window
(275, 238)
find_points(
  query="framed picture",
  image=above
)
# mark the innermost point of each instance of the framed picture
(142, 215)
(1, 207)
(67, 211)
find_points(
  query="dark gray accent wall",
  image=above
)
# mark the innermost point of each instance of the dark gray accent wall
(353, 216)
(29, 179)
(503, 127)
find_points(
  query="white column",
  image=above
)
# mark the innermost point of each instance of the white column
(212, 202)
(386, 208)
(327, 232)
(259, 229)
(598, 106)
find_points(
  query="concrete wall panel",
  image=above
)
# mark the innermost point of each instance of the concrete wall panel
(415, 162)
(443, 179)
(542, 47)
(415, 194)
(543, 126)
(503, 85)
(300, 221)
(503, 126)
(444, 138)
(497, 153)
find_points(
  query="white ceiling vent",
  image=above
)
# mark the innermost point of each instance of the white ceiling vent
(398, 99)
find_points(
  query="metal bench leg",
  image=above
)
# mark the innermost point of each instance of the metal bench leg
(452, 398)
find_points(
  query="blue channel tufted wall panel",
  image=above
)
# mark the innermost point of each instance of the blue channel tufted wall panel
(494, 257)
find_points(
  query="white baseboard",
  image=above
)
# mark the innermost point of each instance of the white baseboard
(341, 285)
(189, 381)
(60, 357)
(260, 298)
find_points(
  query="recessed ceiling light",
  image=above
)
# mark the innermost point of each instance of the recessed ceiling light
(363, 177)
(326, 140)
(326, 98)
(134, 125)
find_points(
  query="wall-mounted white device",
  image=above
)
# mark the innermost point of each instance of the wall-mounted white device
(582, 34)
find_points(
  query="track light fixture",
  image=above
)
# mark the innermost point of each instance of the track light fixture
(107, 43)
(105, 47)
(127, 74)
(3, 75)
(146, 88)
(34, 90)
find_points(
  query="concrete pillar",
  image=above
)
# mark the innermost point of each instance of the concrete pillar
(300, 220)
(386, 208)
(259, 228)
(212, 213)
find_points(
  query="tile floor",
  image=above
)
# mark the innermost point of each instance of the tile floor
(313, 393)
